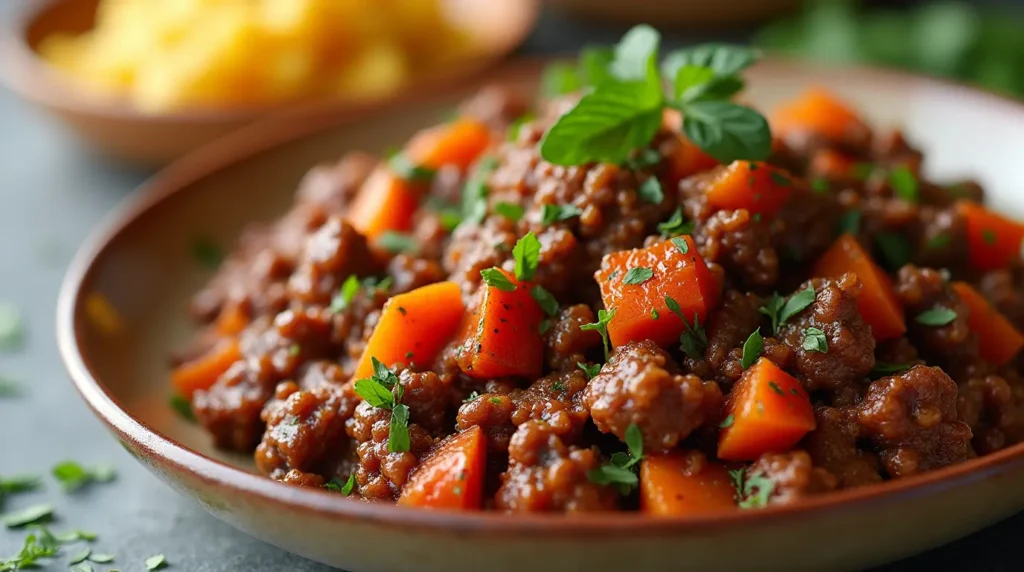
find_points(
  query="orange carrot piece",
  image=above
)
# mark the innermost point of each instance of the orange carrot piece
(457, 143)
(821, 112)
(755, 186)
(451, 476)
(770, 413)
(232, 319)
(993, 241)
(675, 484)
(384, 203)
(501, 336)
(641, 310)
(413, 327)
(202, 372)
(877, 302)
(998, 340)
(687, 159)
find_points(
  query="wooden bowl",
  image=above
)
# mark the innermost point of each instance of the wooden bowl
(114, 127)
(138, 261)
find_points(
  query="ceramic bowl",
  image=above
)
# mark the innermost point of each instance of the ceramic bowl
(139, 262)
(114, 127)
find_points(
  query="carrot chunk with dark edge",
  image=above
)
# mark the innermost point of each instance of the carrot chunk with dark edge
(993, 241)
(820, 112)
(877, 302)
(458, 143)
(451, 476)
(413, 327)
(673, 484)
(770, 413)
(501, 336)
(754, 186)
(635, 282)
(998, 339)
(385, 202)
(202, 372)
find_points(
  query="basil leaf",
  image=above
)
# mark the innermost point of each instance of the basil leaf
(752, 349)
(560, 78)
(594, 64)
(606, 125)
(722, 59)
(690, 77)
(496, 279)
(727, 131)
(636, 55)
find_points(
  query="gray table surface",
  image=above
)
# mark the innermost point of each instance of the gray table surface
(52, 192)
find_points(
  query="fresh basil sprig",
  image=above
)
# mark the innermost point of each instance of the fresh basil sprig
(621, 109)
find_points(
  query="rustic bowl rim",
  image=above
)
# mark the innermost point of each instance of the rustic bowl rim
(264, 136)
(27, 74)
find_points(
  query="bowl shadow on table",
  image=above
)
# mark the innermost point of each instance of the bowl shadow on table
(144, 269)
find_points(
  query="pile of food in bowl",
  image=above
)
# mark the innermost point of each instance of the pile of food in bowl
(171, 55)
(618, 298)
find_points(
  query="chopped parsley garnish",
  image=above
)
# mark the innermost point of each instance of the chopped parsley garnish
(474, 192)
(11, 328)
(820, 185)
(495, 400)
(33, 550)
(511, 211)
(904, 184)
(676, 224)
(397, 242)
(157, 562)
(862, 171)
(73, 476)
(29, 515)
(849, 223)
(544, 326)
(883, 369)
(815, 340)
(182, 407)
(654, 314)
(80, 556)
(727, 422)
(601, 327)
(989, 236)
(620, 471)
(694, 340)
(941, 240)
(639, 275)
(752, 349)
(779, 309)
(335, 485)
(937, 316)
(544, 298)
(681, 244)
(894, 248)
(623, 109)
(383, 390)
(590, 370)
(650, 191)
(100, 558)
(496, 279)
(780, 179)
(753, 490)
(345, 294)
(645, 158)
(472, 396)
(400, 165)
(551, 214)
(206, 252)
(527, 256)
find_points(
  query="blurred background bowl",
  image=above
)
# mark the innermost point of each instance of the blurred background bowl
(116, 127)
(677, 12)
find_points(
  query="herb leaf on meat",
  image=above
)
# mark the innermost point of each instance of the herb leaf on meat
(601, 327)
(590, 369)
(526, 253)
(384, 390)
(551, 214)
(815, 340)
(676, 224)
(544, 298)
(752, 349)
(937, 316)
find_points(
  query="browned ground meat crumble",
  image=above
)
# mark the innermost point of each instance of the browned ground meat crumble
(291, 398)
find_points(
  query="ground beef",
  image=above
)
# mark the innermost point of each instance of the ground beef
(381, 474)
(993, 407)
(1005, 290)
(833, 446)
(426, 394)
(729, 325)
(803, 229)
(545, 475)
(741, 245)
(850, 351)
(332, 254)
(410, 272)
(352, 325)
(334, 186)
(793, 475)
(923, 289)
(475, 247)
(565, 344)
(641, 385)
(306, 428)
(230, 409)
(911, 419)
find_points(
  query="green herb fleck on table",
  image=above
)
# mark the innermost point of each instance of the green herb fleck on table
(904, 184)
(12, 329)
(157, 562)
(31, 515)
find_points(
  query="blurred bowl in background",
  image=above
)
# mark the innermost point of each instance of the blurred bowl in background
(677, 12)
(115, 126)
